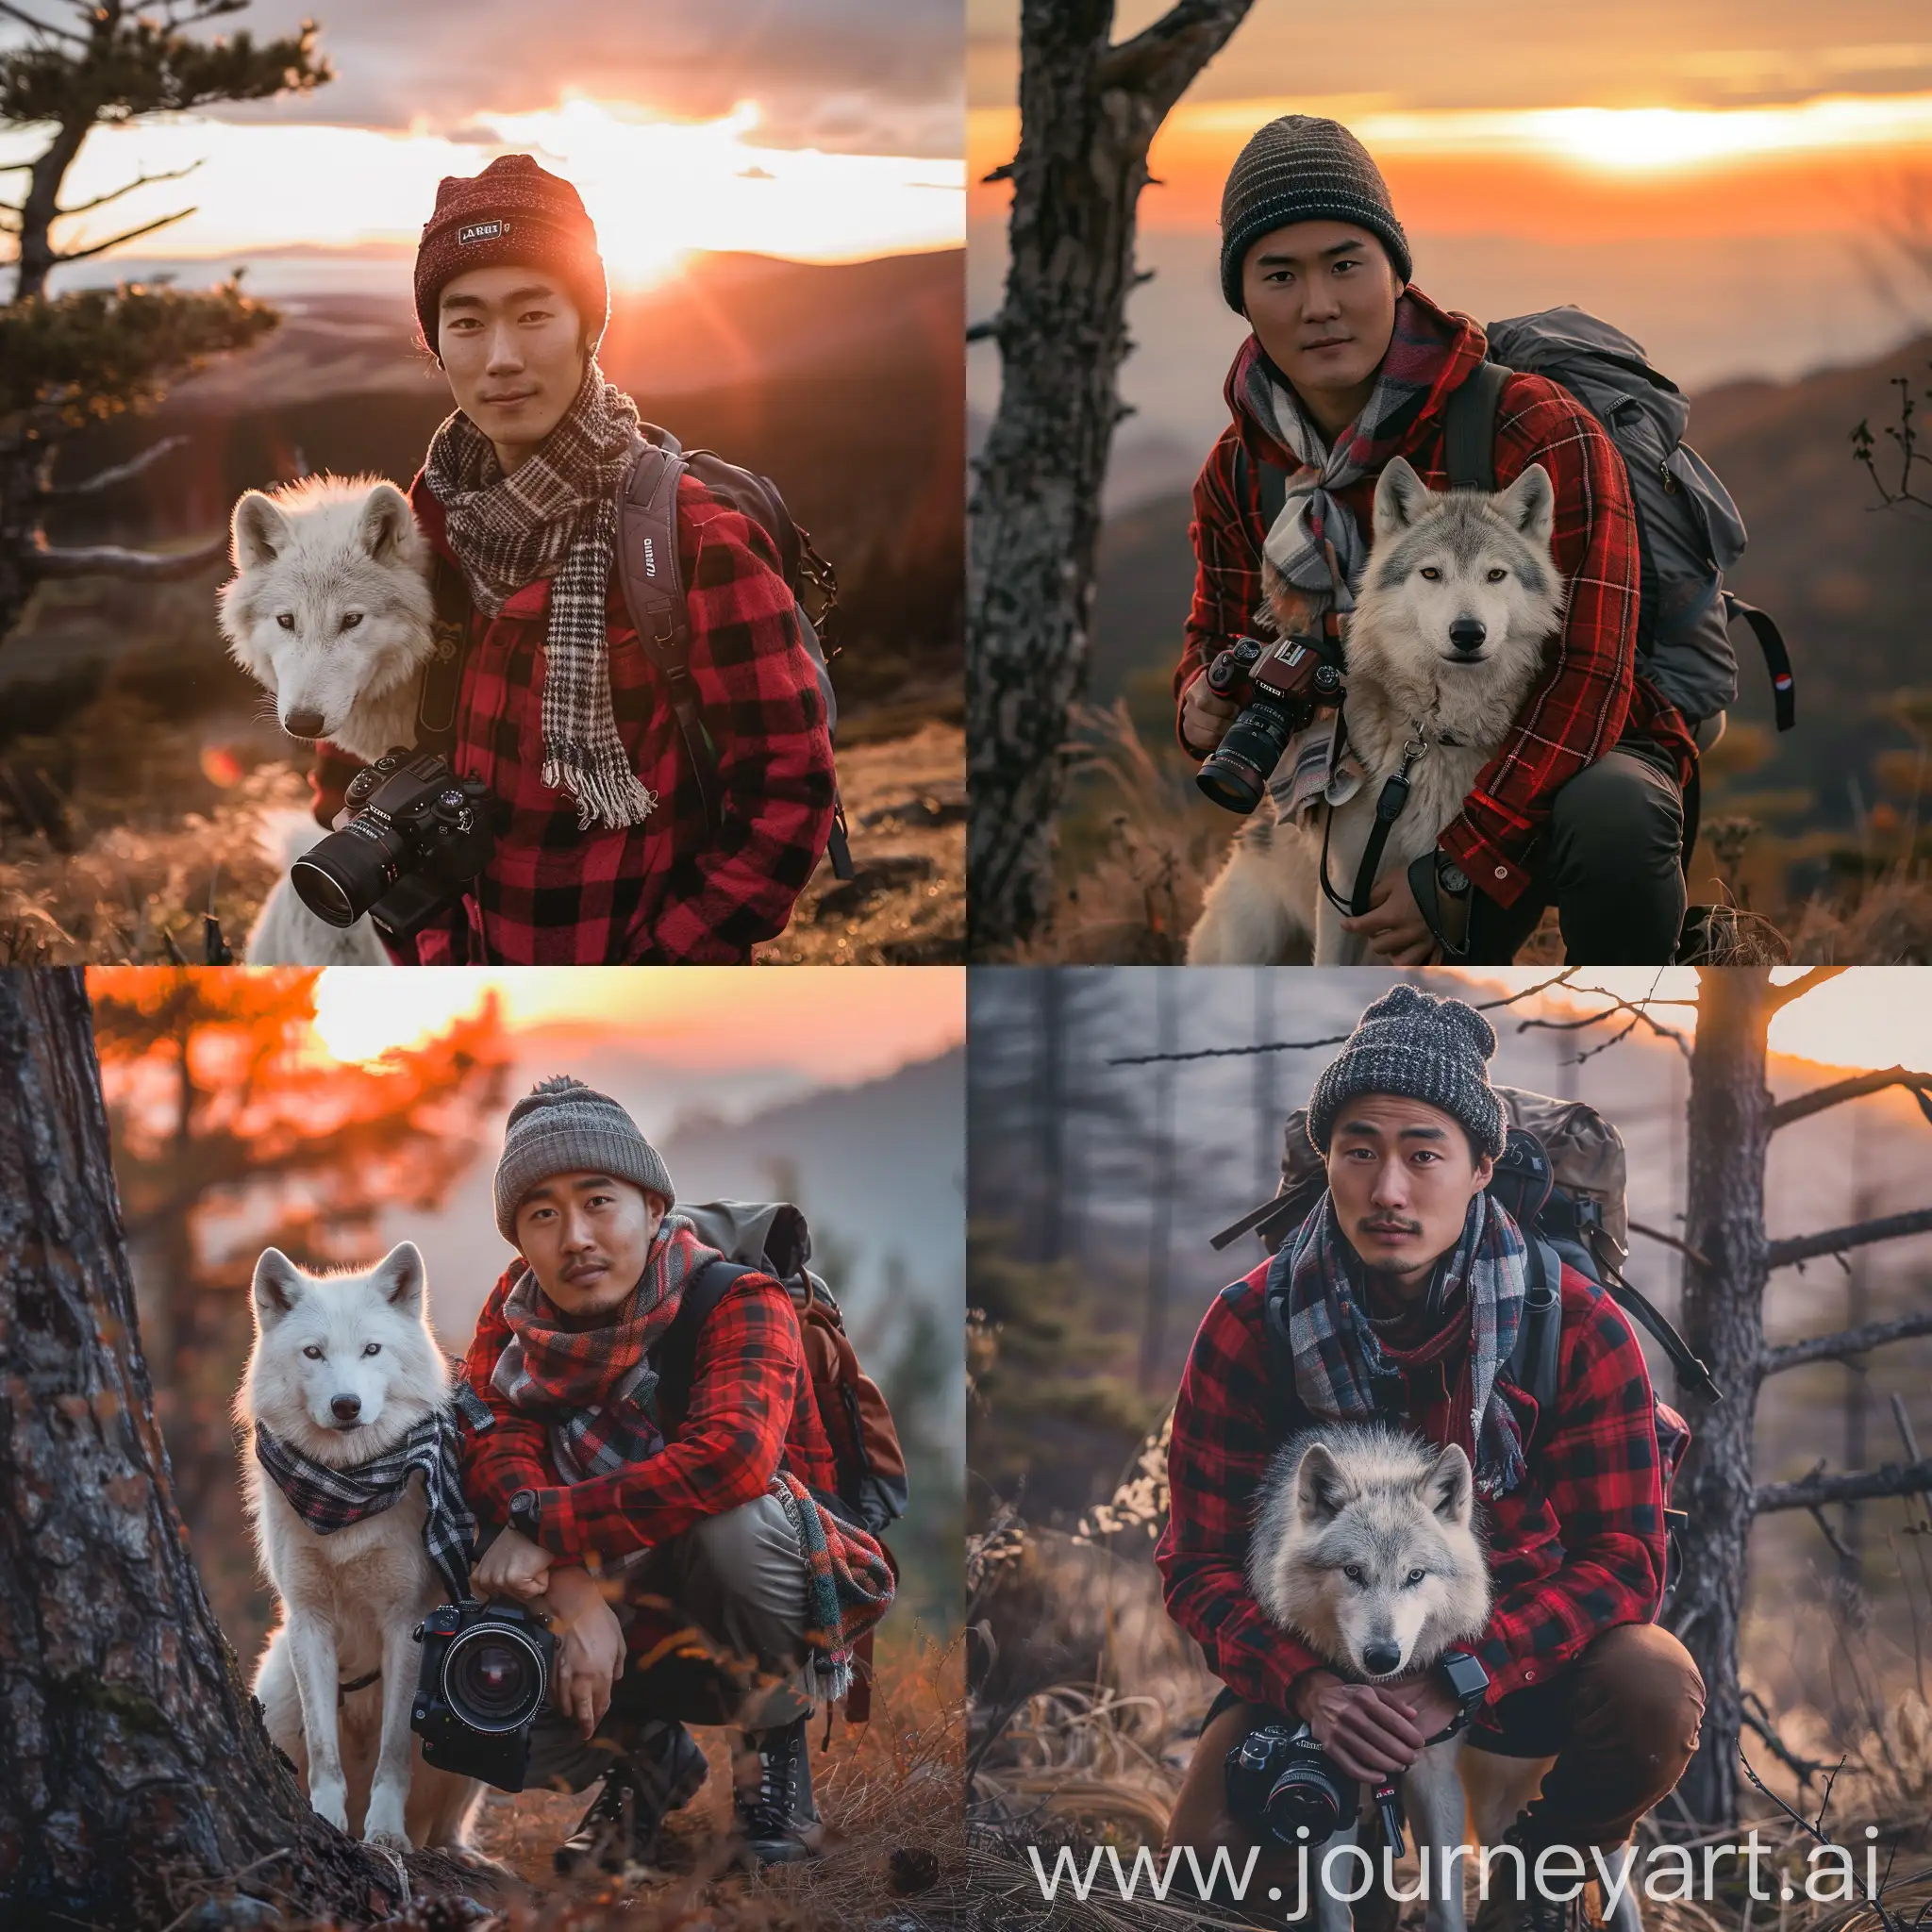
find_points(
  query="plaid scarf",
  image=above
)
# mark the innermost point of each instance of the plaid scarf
(849, 1586)
(596, 1386)
(1316, 544)
(556, 516)
(330, 1499)
(1339, 1364)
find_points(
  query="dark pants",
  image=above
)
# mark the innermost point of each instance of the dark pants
(1609, 860)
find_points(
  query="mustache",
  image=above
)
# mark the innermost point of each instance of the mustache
(1387, 1224)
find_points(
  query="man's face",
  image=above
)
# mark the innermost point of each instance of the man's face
(1402, 1175)
(586, 1237)
(1321, 297)
(511, 344)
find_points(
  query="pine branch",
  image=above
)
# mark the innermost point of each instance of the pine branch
(121, 473)
(1861, 1486)
(1805, 982)
(1847, 1342)
(62, 214)
(131, 566)
(1821, 1097)
(1835, 1241)
(128, 235)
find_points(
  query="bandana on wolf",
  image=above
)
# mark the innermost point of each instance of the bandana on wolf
(329, 1499)
(556, 517)
(1338, 1359)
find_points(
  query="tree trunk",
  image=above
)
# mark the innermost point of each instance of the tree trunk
(1724, 1321)
(136, 1768)
(1087, 112)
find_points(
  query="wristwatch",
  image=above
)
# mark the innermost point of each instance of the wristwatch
(1469, 1682)
(523, 1513)
(1451, 876)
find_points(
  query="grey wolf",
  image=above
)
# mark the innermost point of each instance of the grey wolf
(343, 1368)
(1447, 635)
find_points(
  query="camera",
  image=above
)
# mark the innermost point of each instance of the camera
(485, 1676)
(418, 836)
(1274, 684)
(1279, 1779)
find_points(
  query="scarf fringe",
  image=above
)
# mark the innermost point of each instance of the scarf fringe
(614, 796)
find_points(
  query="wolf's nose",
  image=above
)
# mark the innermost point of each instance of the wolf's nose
(346, 1409)
(1380, 1658)
(305, 724)
(1466, 634)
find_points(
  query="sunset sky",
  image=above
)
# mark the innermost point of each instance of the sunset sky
(828, 132)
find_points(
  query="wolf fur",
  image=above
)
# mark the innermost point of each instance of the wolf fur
(1407, 681)
(285, 932)
(351, 1599)
(1398, 1513)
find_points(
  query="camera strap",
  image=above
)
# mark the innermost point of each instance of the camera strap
(1394, 795)
(442, 676)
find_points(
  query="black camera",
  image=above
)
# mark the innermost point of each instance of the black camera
(1279, 1779)
(485, 1676)
(1277, 685)
(418, 836)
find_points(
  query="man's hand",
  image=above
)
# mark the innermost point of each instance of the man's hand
(590, 1650)
(1393, 925)
(1204, 716)
(513, 1566)
(1370, 1731)
(1429, 1698)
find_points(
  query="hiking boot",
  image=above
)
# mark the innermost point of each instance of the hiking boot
(1505, 1911)
(776, 1818)
(662, 1771)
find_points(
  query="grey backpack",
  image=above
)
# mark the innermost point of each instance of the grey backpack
(1689, 531)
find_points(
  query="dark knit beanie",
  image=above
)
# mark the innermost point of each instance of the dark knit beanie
(513, 214)
(562, 1127)
(1301, 169)
(1407, 1043)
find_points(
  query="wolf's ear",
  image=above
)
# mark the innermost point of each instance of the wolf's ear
(1448, 1489)
(1530, 504)
(1400, 496)
(400, 1278)
(277, 1287)
(1320, 1486)
(386, 520)
(257, 532)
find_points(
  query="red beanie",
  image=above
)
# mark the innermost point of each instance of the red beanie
(513, 214)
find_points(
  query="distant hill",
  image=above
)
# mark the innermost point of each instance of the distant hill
(1850, 584)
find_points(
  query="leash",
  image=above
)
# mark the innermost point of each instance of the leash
(344, 1691)
(1388, 807)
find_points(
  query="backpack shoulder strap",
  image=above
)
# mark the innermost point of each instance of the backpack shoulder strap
(1469, 427)
(676, 1352)
(442, 676)
(1535, 1358)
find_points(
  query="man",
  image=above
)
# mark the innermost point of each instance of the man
(1348, 366)
(670, 1534)
(1416, 1276)
(603, 852)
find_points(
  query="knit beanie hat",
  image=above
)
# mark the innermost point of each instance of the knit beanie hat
(513, 214)
(562, 1127)
(1421, 1048)
(1302, 168)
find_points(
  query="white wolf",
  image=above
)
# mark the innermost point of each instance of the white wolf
(344, 1365)
(1446, 639)
(1364, 1546)
(329, 612)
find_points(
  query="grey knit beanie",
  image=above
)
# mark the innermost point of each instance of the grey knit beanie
(1302, 168)
(1421, 1048)
(562, 1127)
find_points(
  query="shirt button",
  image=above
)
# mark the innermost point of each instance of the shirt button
(1502, 872)
(1529, 1677)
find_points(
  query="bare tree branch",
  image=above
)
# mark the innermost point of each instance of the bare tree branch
(1671, 1240)
(1636, 1009)
(41, 26)
(1840, 1090)
(127, 235)
(1159, 61)
(1835, 1241)
(134, 566)
(119, 474)
(1847, 1342)
(115, 193)
(1805, 982)
(1861, 1486)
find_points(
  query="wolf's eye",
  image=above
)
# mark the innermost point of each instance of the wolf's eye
(355, 617)
(1432, 574)
(1417, 1575)
(1496, 577)
(286, 619)
(1353, 1572)
(313, 1353)
(374, 1348)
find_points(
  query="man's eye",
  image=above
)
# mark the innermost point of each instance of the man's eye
(313, 1353)
(1430, 571)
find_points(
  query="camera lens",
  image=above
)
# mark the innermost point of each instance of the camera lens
(341, 878)
(1236, 774)
(1304, 1794)
(493, 1678)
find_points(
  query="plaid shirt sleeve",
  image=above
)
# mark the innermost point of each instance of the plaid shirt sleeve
(757, 692)
(1227, 573)
(1596, 1461)
(1218, 1451)
(723, 1453)
(512, 1454)
(1578, 709)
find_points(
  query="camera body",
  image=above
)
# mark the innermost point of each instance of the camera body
(1276, 684)
(417, 835)
(484, 1678)
(1279, 1780)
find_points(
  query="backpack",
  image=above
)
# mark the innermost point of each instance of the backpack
(1561, 1175)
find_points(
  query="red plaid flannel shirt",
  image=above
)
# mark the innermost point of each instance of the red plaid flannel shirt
(1589, 695)
(751, 1412)
(665, 890)
(1574, 1549)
